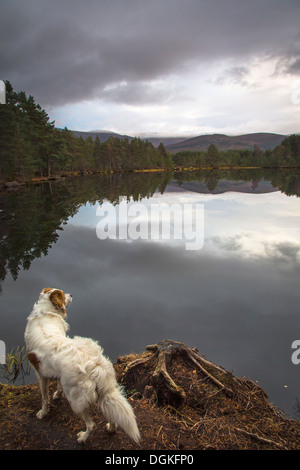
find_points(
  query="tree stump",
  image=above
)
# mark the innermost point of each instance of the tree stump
(150, 373)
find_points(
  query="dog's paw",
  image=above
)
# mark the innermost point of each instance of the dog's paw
(40, 414)
(82, 437)
(111, 428)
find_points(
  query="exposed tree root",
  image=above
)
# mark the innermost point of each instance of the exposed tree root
(159, 378)
(261, 439)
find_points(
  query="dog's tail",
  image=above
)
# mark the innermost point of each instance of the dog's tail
(117, 410)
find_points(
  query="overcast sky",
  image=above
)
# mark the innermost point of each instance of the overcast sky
(162, 66)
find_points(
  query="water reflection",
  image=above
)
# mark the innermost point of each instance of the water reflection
(33, 218)
(237, 299)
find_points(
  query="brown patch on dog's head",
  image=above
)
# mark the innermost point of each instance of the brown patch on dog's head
(47, 289)
(57, 298)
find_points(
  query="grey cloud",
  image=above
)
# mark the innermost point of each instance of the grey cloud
(67, 51)
(289, 61)
(236, 75)
(284, 252)
(136, 93)
(295, 67)
(230, 243)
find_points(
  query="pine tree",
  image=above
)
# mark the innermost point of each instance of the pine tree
(212, 155)
(97, 154)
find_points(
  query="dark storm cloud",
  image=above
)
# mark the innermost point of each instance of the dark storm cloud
(290, 62)
(135, 93)
(67, 51)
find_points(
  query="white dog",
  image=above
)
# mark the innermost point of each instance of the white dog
(84, 374)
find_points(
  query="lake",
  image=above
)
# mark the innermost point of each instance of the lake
(236, 298)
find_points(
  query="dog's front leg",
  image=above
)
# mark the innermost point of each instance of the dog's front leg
(45, 397)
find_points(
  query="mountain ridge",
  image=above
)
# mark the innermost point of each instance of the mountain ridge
(173, 144)
(264, 140)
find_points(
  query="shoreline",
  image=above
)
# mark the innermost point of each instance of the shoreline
(16, 182)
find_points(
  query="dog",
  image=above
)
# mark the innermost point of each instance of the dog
(83, 373)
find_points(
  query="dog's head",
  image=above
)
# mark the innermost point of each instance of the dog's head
(57, 298)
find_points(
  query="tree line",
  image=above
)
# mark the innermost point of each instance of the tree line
(31, 145)
(287, 154)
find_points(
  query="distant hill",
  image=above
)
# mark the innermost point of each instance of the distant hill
(103, 135)
(264, 141)
(175, 144)
(165, 140)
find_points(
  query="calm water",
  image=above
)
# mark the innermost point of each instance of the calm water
(237, 299)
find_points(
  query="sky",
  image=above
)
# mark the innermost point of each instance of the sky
(167, 67)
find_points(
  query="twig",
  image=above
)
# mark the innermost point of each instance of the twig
(259, 438)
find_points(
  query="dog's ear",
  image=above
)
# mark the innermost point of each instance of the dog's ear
(57, 298)
(47, 289)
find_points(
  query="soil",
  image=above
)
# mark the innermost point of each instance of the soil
(208, 418)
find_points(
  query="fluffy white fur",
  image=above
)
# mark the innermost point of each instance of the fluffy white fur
(84, 374)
